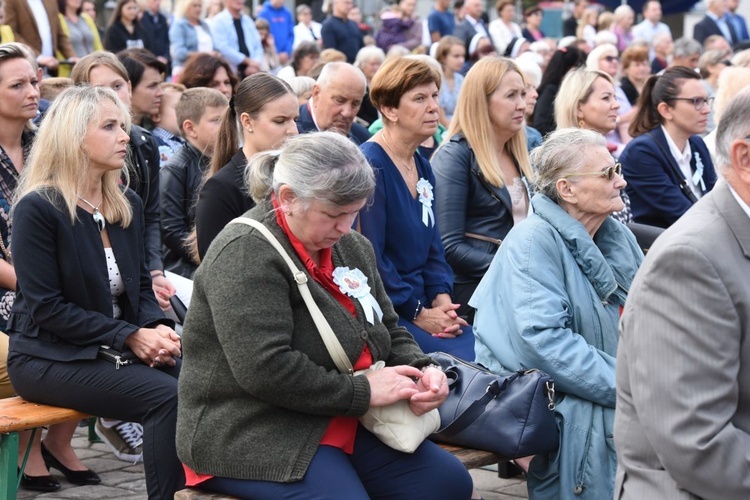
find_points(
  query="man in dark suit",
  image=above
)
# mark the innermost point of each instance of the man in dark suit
(737, 21)
(682, 423)
(336, 98)
(715, 23)
(157, 28)
(472, 23)
(39, 28)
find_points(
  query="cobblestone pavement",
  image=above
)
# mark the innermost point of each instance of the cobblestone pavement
(123, 480)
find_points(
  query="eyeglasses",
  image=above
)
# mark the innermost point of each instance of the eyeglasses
(698, 102)
(610, 59)
(609, 172)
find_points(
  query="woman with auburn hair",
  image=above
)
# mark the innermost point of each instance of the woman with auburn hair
(83, 284)
(208, 70)
(667, 164)
(265, 108)
(482, 172)
(635, 71)
(400, 222)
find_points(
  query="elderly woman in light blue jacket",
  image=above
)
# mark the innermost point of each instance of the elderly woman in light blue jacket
(551, 300)
(188, 33)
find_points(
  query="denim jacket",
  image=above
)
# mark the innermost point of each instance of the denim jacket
(184, 39)
(551, 300)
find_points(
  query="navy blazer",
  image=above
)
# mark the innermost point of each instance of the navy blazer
(63, 307)
(707, 27)
(654, 178)
(358, 134)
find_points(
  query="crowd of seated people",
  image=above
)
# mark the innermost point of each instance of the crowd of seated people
(483, 176)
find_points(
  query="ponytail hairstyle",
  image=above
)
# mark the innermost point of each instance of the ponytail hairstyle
(658, 89)
(323, 166)
(253, 93)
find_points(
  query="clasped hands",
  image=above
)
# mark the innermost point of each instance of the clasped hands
(441, 320)
(155, 346)
(425, 390)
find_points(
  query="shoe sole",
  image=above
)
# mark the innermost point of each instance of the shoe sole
(125, 457)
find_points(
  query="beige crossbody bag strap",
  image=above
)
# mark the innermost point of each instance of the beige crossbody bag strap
(326, 333)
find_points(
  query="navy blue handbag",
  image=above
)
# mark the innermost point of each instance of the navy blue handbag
(509, 414)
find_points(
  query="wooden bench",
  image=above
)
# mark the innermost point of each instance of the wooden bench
(472, 459)
(17, 414)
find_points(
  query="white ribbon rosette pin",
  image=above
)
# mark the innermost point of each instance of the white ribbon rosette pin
(424, 192)
(353, 283)
(698, 175)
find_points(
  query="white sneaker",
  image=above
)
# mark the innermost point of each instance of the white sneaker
(125, 439)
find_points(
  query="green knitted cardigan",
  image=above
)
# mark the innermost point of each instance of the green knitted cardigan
(258, 388)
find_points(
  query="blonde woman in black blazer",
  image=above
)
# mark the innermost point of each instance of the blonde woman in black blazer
(83, 283)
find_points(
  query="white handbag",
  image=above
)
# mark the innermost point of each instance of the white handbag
(396, 425)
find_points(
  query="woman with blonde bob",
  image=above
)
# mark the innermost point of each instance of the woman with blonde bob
(83, 284)
(587, 100)
(400, 222)
(482, 172)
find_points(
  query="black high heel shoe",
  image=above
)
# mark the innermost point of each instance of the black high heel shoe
(77, 477)
(39, 483)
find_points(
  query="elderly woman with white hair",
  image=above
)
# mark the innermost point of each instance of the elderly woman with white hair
(606, 58)
(710, 65)
(369, 59)
(528, 63)
(551, 300)
(731, 82)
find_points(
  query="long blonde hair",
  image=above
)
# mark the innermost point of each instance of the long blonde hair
(59, 162)
(472, 119)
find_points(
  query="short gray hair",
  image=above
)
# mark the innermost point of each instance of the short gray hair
(733, 125)
(684, 47)
(323, 166)
(562, 153)
(367, 53)
(331, 70)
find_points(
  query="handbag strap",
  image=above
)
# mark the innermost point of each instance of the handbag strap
(475, 409)
(332, 343)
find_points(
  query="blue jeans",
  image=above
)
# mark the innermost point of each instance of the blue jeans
(373, 471)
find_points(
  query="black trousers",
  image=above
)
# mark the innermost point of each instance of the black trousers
(134, 393)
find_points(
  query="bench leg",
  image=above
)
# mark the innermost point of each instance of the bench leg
(93, 438)
(8, 466)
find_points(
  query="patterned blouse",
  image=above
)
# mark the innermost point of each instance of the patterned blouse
(8, 181)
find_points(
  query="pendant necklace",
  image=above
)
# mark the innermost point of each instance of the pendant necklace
(97, 215)
(408, 168)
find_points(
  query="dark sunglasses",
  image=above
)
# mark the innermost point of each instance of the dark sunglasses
(609, 172)
(611, 58)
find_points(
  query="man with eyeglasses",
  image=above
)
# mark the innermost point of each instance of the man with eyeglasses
(682, 418)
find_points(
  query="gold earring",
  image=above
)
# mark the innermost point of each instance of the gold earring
(581, 124)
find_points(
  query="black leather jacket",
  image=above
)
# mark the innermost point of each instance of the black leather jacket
(144, 180)
(180, 179)
(467, 203)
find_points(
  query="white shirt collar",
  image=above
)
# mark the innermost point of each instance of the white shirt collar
(680, 156)
(745, 207)
(312, 113)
